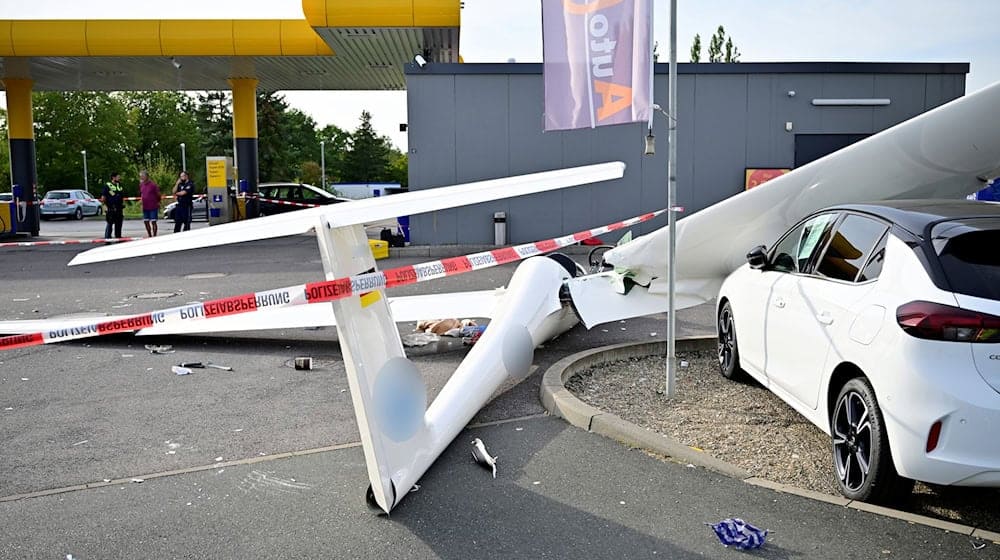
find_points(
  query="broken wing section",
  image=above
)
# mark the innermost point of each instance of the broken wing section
(480, 303)
(405, 308)
(596, 299)
(363, 211)
(943, 153)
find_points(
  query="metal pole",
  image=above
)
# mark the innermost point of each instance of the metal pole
(672, 204)
(322, 162)
(184, 164)
(86, 187)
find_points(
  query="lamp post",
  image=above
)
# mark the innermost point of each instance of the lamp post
(85, 186)
(322, 162)
(184, 164)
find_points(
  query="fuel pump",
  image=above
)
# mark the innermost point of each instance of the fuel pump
(220, 201)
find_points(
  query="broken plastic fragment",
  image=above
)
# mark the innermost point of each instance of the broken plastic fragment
(180, 370)
(736, 532)
(160, 349)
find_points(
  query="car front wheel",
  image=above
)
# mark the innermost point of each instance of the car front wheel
(78, 214)
(861, 455)
(729, 353)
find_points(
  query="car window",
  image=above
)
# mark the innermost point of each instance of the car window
(309, 194)
(849, 247)
(281, 193)
(56, 195)
(794, 250)
(972, 265)
(873, 269)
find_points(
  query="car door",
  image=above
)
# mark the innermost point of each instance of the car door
(813, 312)
(753, 312)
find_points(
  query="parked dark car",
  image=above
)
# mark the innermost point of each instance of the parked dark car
(274, 194)
(275, 199)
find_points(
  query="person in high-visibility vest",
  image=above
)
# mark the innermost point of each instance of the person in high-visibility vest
(113, 201)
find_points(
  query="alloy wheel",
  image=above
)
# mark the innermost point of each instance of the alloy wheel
(852, 440)
(727, 339)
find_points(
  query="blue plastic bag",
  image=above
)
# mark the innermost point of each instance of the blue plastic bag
(739, 533)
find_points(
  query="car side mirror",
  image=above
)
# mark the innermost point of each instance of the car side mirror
(757, 257)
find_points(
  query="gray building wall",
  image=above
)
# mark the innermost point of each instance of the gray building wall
(469, 122)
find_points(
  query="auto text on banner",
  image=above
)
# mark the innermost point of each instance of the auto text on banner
(597, 62)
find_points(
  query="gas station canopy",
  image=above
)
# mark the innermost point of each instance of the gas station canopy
(338, 45)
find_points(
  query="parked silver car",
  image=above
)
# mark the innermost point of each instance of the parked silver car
(70, 203)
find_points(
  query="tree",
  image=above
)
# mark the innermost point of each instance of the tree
(716, 44)
(696, 48)
(215, 123)
(367, 160)
(5, 173)
(337, 142)
(287, 138)
(399, 168)
(68, 122)
(163, 121)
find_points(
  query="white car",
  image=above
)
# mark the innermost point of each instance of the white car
(70, 203)
(880, 323)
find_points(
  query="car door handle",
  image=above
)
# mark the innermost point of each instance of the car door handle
(779, 303)
(825, 318)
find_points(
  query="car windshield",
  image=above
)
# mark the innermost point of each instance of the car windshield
(56, 194)
(969, 259)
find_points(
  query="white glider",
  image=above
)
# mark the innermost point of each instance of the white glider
(944, 152)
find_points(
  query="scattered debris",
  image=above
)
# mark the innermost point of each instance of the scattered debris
(304, 362)
(180, 370)
(160, 349)
(138, 480)
(978, 546)
(736, 532)
(203, 365)
(419, 339)
(684, 363)
(444, 327)
(621, 503)
(536, 483)
(218, 459)
(128, 355)
(472, 334)
(652, 334)
(80, 442)
(483, 457)
(24, 379)
(416, 488)
(518, 429)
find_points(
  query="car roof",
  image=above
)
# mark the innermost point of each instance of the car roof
(915, 215)
(291, 184)
(63, 190)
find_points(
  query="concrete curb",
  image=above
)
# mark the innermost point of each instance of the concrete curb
(558, 401)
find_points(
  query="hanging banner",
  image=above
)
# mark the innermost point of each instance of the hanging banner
(597, 62)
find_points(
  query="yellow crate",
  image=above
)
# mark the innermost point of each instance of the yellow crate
(380, 249)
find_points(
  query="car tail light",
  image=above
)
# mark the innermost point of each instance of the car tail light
(934, 436)
(935, 321)
(70, 201)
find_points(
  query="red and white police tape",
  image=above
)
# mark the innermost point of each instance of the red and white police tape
(315, 292)
(286, 203)
(68, 242)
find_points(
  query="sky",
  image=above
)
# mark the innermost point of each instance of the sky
(762, 30)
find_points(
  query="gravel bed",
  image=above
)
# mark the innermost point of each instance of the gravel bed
(746, 425)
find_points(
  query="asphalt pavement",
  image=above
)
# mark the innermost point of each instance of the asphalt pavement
(108, 454)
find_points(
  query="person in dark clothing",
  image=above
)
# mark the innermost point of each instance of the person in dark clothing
(184, 194)
(114, 201)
